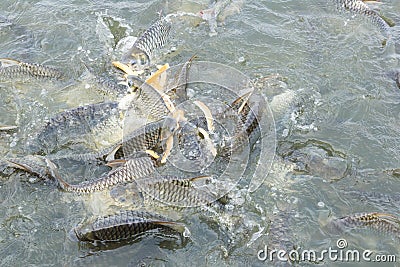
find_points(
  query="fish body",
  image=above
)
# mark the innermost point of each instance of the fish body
(110, 87)
(380, 222)
(177, 89)
(71, 125)
(125, 225)
(175, 191)
(147, 99)
(359, 7)
(132, 169)
(245, 116)
(148, 137)
(12, 69)
(154, 37)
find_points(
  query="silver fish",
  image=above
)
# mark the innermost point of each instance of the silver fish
(154, 37)
(69, 126)
(177, 88)
(147, 99)
(246, 118)
(126, 225)
(380, 222)
(130, 170)
(12, 69)
(175, 191)
(359, 7)
(151, 136)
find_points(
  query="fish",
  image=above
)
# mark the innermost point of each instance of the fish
(359, 7)
(125, 225)
(70, 126)
(109, 86)
(380, 222)
(11, 70)
(196, 148)
(129, 171)
(151, 102)
(247, 129)
(177, 88)
(151, 136)
(175, 191)
(154, 37)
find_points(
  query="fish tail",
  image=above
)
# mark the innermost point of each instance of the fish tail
(56, 175)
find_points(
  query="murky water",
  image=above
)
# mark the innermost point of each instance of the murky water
(336, 112)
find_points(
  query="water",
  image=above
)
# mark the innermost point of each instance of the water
(335, 139)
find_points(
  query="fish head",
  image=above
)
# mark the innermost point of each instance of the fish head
(134, 83)
(136, 59)
(169, 127)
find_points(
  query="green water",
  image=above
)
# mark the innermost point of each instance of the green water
(334, 140)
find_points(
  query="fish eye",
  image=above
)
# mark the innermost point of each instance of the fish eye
(130, 82)
(133, 62)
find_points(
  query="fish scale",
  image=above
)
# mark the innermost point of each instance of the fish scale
(131, 170)
(148, 99)
(12, 69)
(381, 222)
(124, 225)
(359, 7)
(71, 124)
(154, 37)
(148, 137)
(174, 191)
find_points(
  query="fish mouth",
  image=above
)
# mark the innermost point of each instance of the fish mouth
(136, 59)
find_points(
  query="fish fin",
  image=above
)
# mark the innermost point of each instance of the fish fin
(56, 175)
(157, 80)
(18, 165)
(169, 144)
(193, 179)
(8, 127)
(209, 118)
(125, 68)
(242, 100)
(152, 153)
(111, 155)
(178, 227)
(388, 21)
(116, 163)
(8, 62)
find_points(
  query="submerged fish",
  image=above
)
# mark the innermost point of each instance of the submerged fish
(380, 222)
(131, 169)
(125, 225)
(359, 7)
(12, 69)
(70, 126)
(154, 37)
